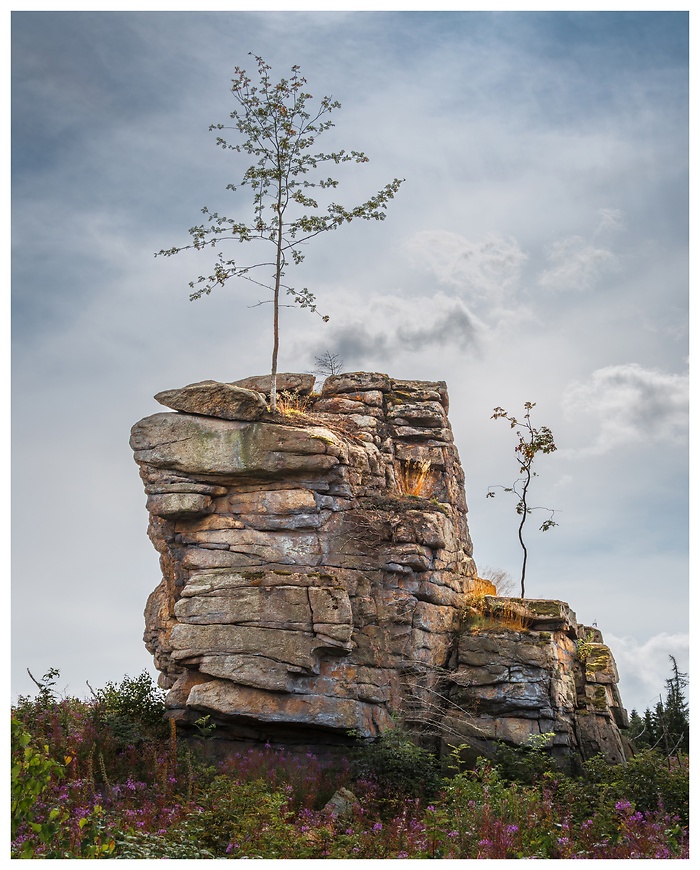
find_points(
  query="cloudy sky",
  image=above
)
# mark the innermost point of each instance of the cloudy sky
(537, 252)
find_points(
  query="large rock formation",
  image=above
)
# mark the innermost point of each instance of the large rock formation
(318, 577)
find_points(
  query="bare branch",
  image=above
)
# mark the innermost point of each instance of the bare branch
(34, 680)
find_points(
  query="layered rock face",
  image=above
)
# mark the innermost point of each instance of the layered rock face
(318, 576)
(527, 668)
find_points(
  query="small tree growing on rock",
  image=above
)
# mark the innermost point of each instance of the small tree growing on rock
(328, 364)
(279, 132)
(531, 441)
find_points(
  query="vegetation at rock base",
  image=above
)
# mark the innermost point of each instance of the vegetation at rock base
(103, 779)
(279, 131)
(531, 442)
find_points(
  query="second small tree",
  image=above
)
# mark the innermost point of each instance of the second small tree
(279, 132)
(531, 441)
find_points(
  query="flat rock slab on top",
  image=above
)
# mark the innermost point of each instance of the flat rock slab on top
(292, 382)
(353, 382)
(213, 399)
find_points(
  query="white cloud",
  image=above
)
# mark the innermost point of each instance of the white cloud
(575, 265)
(631, 404)
(485, 271)
(645, 667)
(564, 481)
(610, 219)
(371, 332)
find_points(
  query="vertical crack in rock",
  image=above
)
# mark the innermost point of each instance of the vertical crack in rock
(317, 578)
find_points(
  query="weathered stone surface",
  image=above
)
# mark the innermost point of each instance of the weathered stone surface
(185, 486)
(318, 578)
(271, 607)
(431, 528)
(284, 547)
(226, 448)
(329, 605)
(213, 399)
(198, 558)
(430, 414)
(342, 803)
(421, 391)
(257, 671)
(423, 434)
(342, 405)
(597, 734)
(180, 691)
(548, 614)
(316, 711)
(178, 504)
(210, 521)
(600, 665)
(302, 384)
(353, 382)
(283, 645)
(277, 501)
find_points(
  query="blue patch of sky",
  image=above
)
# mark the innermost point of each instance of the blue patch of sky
(635, 40)
(73, 71)
(563, 68)
(662, 521)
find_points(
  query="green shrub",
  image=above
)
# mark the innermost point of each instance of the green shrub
(648, 781)
(134, 710)
(39, 829)
(240, 819)
(399, 767)
(31, 775)
(526, 763)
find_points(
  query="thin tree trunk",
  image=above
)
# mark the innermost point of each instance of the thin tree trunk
(522, 544)
(520, 533)
(276, 305)
(275, 345)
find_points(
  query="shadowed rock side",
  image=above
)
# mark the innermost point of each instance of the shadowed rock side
(318, 576)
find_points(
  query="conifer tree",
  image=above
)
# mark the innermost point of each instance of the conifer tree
(676, 713)
(667, 726)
